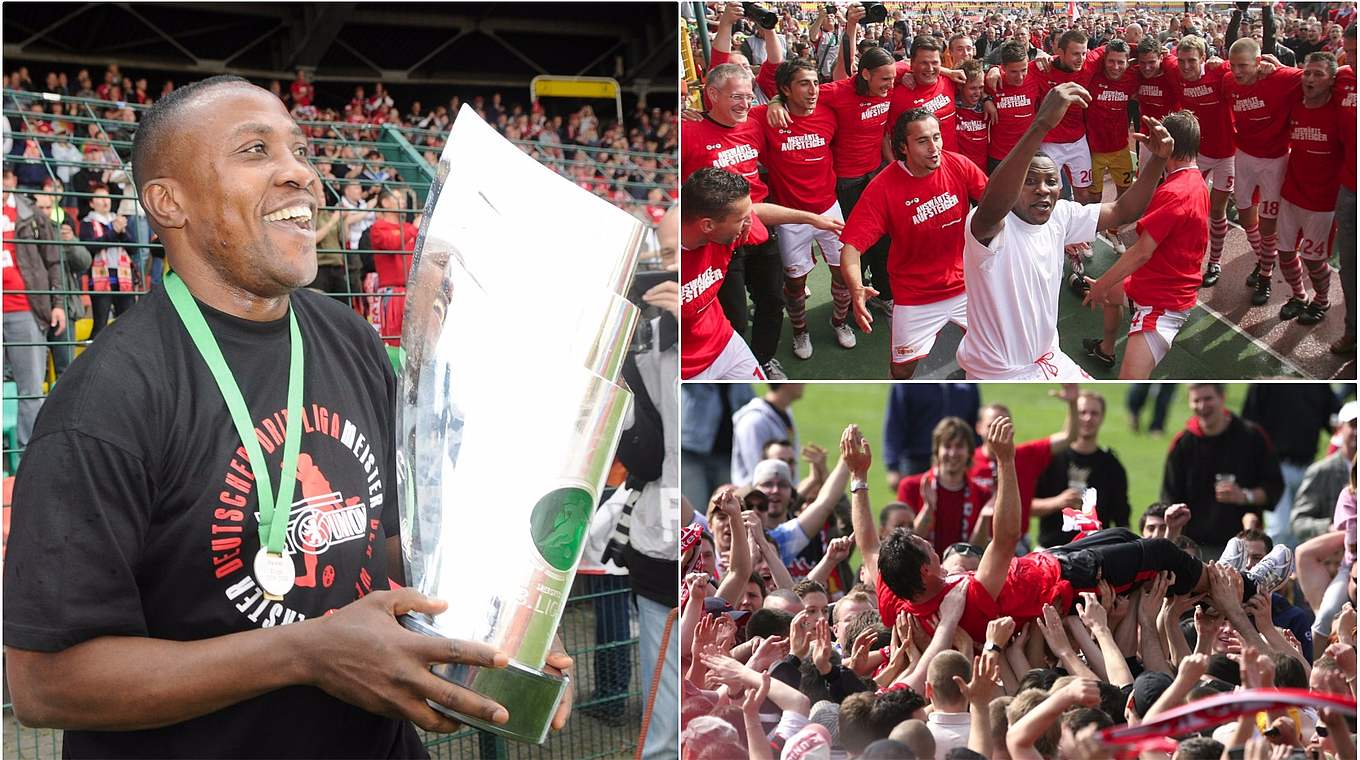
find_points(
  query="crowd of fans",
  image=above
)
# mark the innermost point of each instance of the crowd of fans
(67, 178)
(620, 162)
(830, 113)
(948, 638)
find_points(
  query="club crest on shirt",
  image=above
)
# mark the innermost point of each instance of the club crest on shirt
(335, 506)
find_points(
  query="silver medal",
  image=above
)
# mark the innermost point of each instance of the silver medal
(274, 573)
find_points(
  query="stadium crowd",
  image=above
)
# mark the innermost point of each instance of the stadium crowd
(68, 178)
(592, 149)
(958, 633)
(833, 117)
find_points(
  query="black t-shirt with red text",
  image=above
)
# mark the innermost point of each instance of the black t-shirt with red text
(135, 514)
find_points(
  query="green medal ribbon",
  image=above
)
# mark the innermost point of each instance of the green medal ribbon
(273, 521)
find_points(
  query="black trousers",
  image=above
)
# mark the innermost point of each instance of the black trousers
(100, 305)
(1117, 555)
(758, 271)
(873, 263)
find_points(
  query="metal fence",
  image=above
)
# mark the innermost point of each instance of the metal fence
(597, 627)
(404, 156)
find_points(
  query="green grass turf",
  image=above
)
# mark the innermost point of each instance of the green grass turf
(826, 408)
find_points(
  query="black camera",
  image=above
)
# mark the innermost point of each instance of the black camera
(763, 18)
(875, 13)
(644, 281)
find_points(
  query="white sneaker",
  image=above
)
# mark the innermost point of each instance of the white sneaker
(774, 370)
(1114, 242)
(845, 335)
(802, 345)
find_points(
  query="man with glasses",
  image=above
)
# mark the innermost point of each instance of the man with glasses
(792, 534)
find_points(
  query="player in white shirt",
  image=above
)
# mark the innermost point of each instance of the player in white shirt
(1013, 250)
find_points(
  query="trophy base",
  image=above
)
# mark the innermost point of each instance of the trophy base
(530, 696)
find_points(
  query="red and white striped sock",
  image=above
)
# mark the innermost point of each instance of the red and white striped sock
(796, 304)
(1321, 275)
(840, 303)
(1218, 229)
(1293, 273)
(1253, 237)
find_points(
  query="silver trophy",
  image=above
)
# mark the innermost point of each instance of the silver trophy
(515, 330)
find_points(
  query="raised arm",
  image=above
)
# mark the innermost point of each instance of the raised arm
(1006, 530)
(1025, 732)
(845, 55)
(773, 215)
(722, 36)
(856, 456)
(814, 517)
(1006, 183)
(1130, 206)
(733, 584)
(1068, 394)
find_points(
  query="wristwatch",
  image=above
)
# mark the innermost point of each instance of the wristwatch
(991, 646)
(857, 485)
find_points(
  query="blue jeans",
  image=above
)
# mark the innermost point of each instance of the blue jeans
(613, 667)
(663, 732)
(703, 474)
(1277, 519)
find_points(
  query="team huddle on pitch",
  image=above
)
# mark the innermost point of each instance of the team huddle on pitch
(936, 195)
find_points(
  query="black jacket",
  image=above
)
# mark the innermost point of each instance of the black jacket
(1193, 463)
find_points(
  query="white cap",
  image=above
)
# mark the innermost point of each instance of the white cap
(1349, 412)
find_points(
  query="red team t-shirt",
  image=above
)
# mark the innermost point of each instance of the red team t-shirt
(704, 329)
(1031, 459)
(1313, 173)
(951, 525)
(1031, 582)
(861, 122)
(1158, 96)
(799, 159)
(9, 264)
(1073, 124)
(1206, 100)
(1178, 220)
(924, 216)
(736, 148)
(1016, 108)
(937, 98)
(1107, 118)
(1261, 111)
(1344, 92)
(973, 134)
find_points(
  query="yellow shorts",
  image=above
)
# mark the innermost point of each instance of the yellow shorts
(1120, 165)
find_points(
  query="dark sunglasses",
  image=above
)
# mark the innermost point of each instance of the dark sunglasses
(962, 547)
(759, 504)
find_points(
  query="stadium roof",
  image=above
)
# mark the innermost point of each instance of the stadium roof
(469, 44)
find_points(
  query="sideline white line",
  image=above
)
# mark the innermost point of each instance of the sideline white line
(1257, 341)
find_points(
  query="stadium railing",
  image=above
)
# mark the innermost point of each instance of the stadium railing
(608, 704)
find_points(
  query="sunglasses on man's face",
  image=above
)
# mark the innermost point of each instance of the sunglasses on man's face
(759, 505)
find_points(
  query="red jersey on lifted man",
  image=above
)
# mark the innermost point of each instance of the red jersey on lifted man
(1031, 582)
